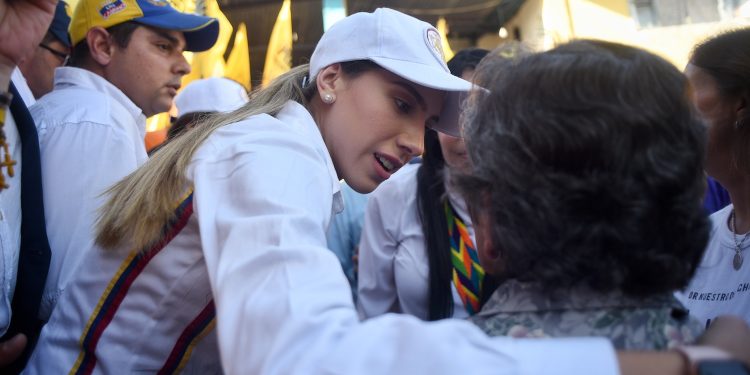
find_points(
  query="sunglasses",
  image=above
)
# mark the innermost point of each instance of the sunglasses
(64, 56)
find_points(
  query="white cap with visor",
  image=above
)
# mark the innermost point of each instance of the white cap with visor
(401, 44)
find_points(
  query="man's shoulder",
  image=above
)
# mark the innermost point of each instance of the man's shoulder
(72, 105)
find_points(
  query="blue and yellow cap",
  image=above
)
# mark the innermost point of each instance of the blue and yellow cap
(200, 32)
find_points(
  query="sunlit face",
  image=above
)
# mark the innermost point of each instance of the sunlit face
(39, 69)
(719, 114)
(376, 125)
(150, 68)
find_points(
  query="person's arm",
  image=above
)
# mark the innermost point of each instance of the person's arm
(652, 363)
(282, 305)
(730, 335)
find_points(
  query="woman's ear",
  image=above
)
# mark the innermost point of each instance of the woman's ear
(101, 45)
(489, 256)
(329, 79)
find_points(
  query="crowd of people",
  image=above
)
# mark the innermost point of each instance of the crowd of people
(520, 212)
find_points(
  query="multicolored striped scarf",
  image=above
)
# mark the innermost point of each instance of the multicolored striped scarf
(467, 273)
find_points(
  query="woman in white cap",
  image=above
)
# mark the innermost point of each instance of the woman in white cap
(211, 258)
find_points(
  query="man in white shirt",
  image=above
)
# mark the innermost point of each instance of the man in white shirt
(126, 65)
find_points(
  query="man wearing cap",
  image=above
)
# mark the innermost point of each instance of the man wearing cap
(126, 65)
(38, 70)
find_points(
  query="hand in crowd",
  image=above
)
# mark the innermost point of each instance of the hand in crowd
(23, 24)
(730, 334)
(11, 349)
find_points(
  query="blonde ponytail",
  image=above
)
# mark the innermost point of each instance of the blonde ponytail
(142, 203)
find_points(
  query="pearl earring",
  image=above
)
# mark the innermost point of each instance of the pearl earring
(328, 98)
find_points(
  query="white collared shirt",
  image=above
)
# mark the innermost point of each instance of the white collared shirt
(264, 193)
(394, 270)
(91, 136)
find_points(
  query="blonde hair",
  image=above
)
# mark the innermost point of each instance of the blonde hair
(142, 203)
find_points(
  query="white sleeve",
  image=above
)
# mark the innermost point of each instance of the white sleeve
(284, 305)
(377, 249)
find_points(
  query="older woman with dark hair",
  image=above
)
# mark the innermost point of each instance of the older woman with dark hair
(719, 73)
(586, 194)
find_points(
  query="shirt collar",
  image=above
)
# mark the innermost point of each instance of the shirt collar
(70, 76)
(295, 112)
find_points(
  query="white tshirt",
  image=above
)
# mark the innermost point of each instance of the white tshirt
(90, 137)
(264, 192)
(717, 288)
(394, 271)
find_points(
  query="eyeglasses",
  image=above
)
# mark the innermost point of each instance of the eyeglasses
(64, 56)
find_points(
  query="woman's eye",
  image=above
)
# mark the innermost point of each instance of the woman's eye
(402, 106)
(163, 47)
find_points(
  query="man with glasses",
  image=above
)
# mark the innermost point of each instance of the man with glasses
(39, 68)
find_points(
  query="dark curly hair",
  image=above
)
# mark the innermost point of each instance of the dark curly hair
(588, 162)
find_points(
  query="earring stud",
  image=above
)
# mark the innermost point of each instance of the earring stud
(328, 98)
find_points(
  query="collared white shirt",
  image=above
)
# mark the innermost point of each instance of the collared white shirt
(394, 270)
(264, 193)
(10, 213)
(91, 136)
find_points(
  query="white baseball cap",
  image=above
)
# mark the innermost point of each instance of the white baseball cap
(399, 43)
(210, 95)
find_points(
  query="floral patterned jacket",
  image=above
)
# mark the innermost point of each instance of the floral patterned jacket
(652, 323)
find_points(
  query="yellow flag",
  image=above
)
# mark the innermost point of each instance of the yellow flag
(210, 63)
(158, 121)
(442, 28)
(184, 6)
(279, 53)
(238, 64)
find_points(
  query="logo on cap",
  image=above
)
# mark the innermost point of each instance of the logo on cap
(435, 45)
(159, 3)
(111, 7)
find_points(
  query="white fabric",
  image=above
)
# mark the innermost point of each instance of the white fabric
(10, 216)
(717, 288)
(401, 44)
(394, 270)
(264, 192)
(23, 87)
(210, 95)
(91, 136)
